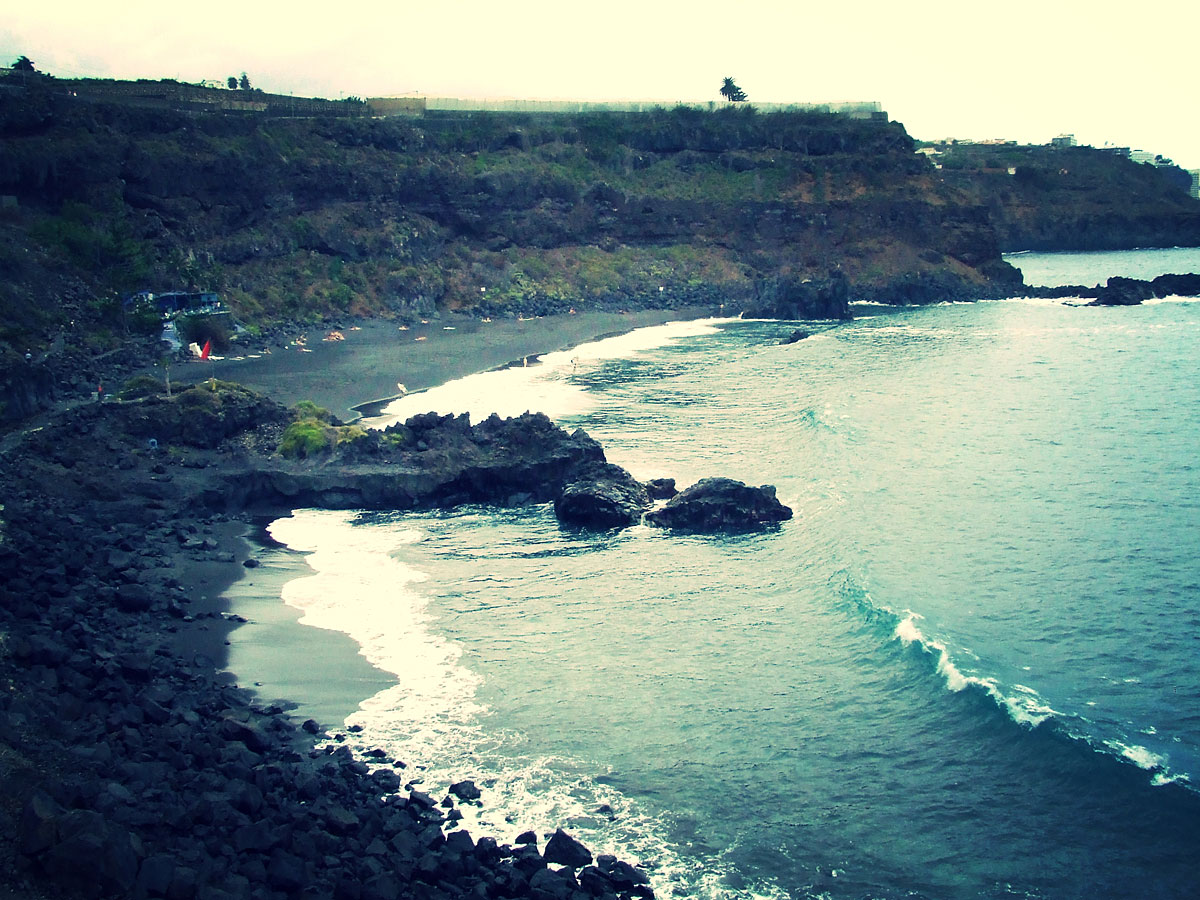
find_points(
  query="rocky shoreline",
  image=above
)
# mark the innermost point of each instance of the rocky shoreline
(133, 766)
(134, 771)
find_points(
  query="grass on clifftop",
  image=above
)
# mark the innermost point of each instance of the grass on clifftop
(314, 432)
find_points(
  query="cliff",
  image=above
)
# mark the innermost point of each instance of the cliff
(1074, 198)
(506, 214)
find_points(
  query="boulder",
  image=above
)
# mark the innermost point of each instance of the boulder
(721, 504)
(601, 495)
(134, 597)
(564, 850)
(620, 874)
(789, 297)
(798, 335)
(1119, 291)
(465, 790)
(661, 488)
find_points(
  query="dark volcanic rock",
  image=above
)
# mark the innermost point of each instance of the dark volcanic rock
(465, 790)
(429, 461)
(564, 850)
(789, 297)
(601, 495)
(661, 488)
(916, 289)
(1176, 285)
(721, 504)
(1120, 291)
(25, 387)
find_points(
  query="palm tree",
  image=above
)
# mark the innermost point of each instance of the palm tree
(732, 92)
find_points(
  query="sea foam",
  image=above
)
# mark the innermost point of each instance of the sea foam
(546, 383)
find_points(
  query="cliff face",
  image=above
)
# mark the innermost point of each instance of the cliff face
(1074, 198)
(503, 213)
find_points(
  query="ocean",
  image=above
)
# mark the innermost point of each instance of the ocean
(968, 668)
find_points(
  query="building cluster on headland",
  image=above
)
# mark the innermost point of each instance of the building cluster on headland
(936, 151)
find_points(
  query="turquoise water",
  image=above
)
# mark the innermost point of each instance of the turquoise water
(967, 668)
(1088, 269)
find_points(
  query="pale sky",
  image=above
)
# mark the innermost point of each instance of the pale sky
(1110, 73)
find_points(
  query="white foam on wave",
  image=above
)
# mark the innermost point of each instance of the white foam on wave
(1024, 706)
(361, 589)
(1139, 756)
(547, 384)
(908, 633)
(1042, 301)
(432, 717)
(1173, 298)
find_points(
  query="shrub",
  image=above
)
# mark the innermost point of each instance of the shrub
(142, 386)
(348, 433)
(306, 409)
(199, 397)
(306, 438)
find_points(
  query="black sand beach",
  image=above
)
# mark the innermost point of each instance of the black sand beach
(136, 763)
(375, 356)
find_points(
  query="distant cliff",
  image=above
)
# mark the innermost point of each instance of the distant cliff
(1074, 198)
(511, 213)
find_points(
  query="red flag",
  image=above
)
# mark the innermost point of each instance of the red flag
(207, 348)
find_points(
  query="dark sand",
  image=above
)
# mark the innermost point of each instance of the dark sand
(320, 672)
(367, 365)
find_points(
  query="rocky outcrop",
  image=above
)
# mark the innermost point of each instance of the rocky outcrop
(212, 448)
(721, 504)
(661, 488)
(25, 388)
(601, 495)
(1119, 291)
(132, 771)
(792, 297)
(198, 416)
(429, 461)
(919, 288)
(132, 768)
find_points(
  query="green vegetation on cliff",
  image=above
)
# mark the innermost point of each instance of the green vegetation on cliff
(301, 219)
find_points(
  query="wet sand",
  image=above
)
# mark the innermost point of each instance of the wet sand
(374, 358)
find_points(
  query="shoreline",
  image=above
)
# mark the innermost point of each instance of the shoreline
(141, 763)
(368, 366)
(273, 640)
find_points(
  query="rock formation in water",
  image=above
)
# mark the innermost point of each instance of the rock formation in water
(1120, 291)
(601, 495)
(721, 504)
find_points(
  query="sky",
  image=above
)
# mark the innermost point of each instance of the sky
(1025, 70)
